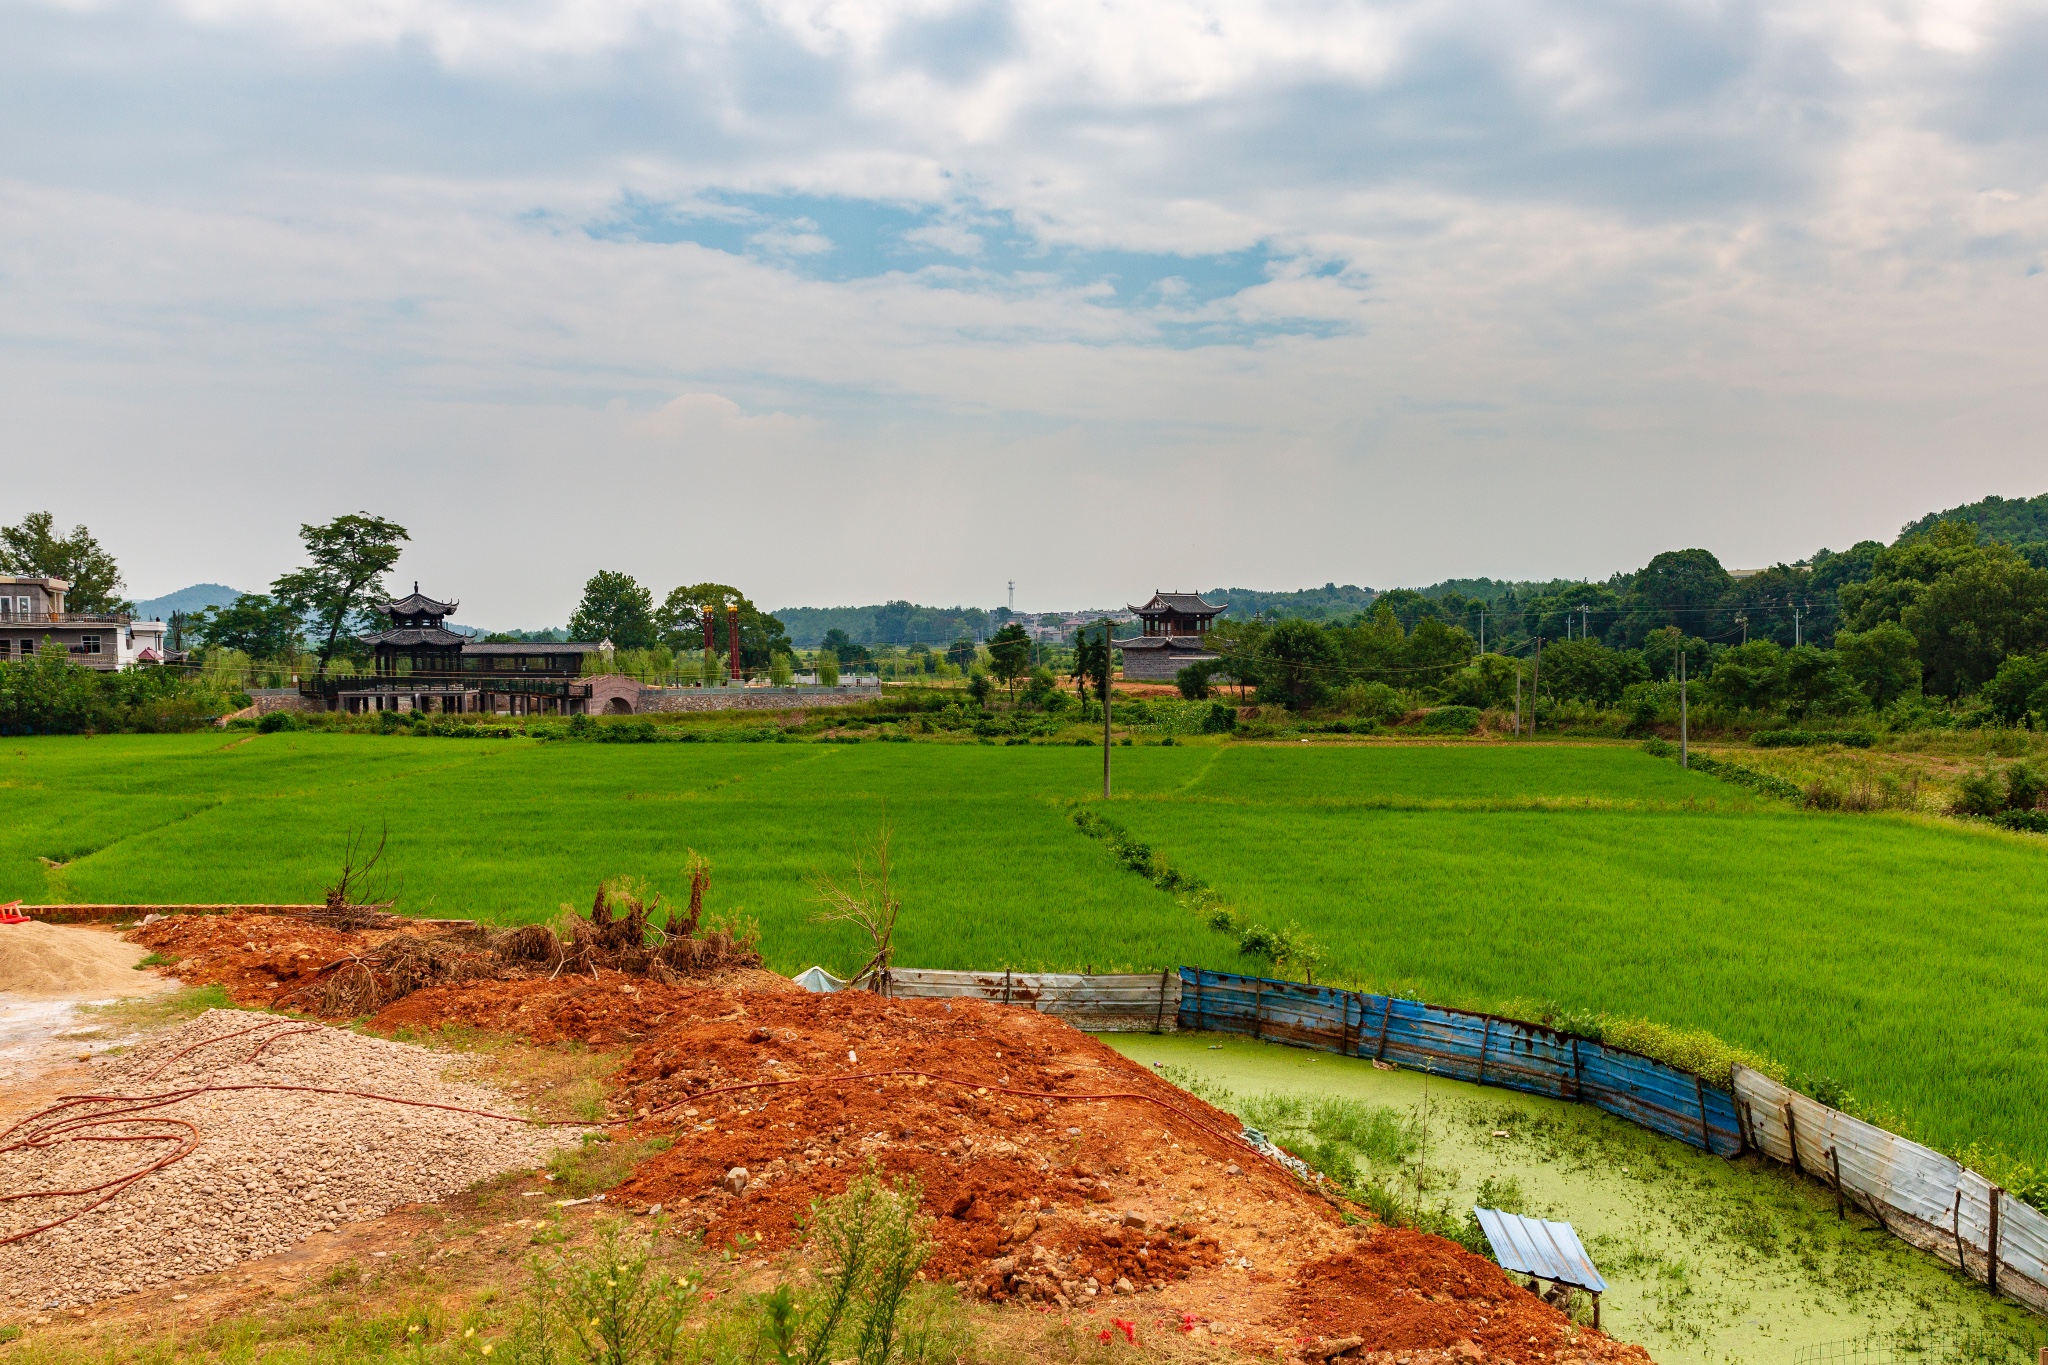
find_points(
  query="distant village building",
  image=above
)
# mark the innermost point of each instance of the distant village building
(418, 664)
(33, 619)
(1175, 635)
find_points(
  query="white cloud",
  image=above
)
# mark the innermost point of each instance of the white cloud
(1760, 270)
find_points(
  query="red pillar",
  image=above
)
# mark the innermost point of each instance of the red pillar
(710, 636)
(732, 633)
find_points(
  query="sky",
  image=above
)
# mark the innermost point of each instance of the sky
(841, 302)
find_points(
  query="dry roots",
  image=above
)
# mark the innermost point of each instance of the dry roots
(618, 935)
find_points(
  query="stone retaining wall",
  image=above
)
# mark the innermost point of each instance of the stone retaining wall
(612, 694)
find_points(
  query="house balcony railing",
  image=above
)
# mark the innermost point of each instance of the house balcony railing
(11, 620)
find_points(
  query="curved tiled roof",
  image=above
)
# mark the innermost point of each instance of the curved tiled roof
(416, 603)
(417, 635)
(1186, 603)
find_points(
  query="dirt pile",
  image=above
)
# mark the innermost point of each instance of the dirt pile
(215, 1174)
(283, 962)
(1058, 1172)
(1401, 1291)
(56, 961)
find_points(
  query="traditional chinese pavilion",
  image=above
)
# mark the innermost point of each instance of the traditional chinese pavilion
(418, 664)
(1175, 635)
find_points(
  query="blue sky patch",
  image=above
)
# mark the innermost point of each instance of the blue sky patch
(965, 247)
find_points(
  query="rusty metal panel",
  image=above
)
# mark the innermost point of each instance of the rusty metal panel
(1103, 1003)
(1922, 1197)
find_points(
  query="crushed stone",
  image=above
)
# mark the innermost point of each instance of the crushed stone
(270, 1167)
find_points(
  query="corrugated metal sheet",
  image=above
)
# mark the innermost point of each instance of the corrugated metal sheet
(1102, 1003)
(1920, 1196)
(1536, 1246)
(1465, 1046)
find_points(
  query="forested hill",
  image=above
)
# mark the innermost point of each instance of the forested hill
(1327, 603)
(2016, 521)
(890, 623)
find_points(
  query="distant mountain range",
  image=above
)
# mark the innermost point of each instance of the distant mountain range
(200, 596)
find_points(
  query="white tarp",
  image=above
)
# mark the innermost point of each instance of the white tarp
(819, 981)
(1921, 1196)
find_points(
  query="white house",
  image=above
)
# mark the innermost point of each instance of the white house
(33, 619)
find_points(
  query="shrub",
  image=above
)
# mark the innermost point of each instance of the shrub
(275, 721)
(1220, 720)
(1979, 793)
(874, 1242)
(2024, 787)
(1448, 720)
(1694, 1051)
(1372, 701)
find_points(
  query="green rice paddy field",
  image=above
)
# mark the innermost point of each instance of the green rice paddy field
(1903, 957)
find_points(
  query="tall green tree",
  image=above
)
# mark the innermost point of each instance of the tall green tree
(34, 549)
(1968, 620)
(257, 625)
(1009, 656)
(2019, 689)
(1683, 588)
(343, 585)
(1748, 677)
(616, 608)
(1299, 663)
(854, 656)
(680, 622)
(1586, 670)
(1884, 661)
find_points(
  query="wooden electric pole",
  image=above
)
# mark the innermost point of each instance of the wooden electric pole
(1684, 749)
(1105, 708)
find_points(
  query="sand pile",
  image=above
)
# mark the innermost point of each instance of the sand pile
(55, 961)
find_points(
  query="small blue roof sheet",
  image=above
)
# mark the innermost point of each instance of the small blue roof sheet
(1535, 1246)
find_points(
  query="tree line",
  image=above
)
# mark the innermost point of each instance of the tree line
(1946, 616)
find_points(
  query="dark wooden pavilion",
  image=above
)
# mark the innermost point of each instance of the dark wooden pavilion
(418, 664)
(1176, 627)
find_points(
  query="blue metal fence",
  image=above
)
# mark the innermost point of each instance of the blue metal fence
(1464, 1046)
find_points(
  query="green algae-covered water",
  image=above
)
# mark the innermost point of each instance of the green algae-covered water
(1709, 1261)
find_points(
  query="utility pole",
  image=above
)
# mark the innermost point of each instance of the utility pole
(1742, 619)
(1796, 612)
(1518, 698)
(1013, 597)
(1684, 746)
(1105, 708)
(1482, 627)
(1536, 682)
(1583, 610)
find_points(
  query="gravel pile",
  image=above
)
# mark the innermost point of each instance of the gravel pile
(270, 1167)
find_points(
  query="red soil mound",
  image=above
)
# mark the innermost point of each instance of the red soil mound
(276, 962)
(1406, 1291)
(256, 957)
(1055, 1169)
(1038, 1194)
